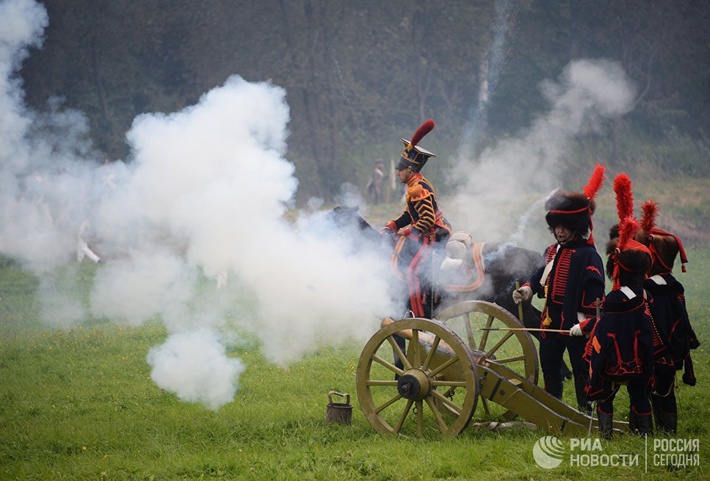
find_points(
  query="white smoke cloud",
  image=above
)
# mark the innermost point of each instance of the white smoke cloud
(201, 200)
(21, 25)
(195, 367)
(517, 174)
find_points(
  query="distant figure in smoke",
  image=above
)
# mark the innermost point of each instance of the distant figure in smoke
(570, 283)
(375, 187)
(422, 224)
(82, 248)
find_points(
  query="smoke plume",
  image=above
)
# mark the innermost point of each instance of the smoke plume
(193, 365)
(190, 230)
(505, 187)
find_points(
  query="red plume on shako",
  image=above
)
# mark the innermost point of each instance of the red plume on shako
(624, 202)
(625, 253)
(624, 196)
(413, 156)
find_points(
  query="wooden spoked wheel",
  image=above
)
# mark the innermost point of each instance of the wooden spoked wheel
(410, 400)
(493, 334)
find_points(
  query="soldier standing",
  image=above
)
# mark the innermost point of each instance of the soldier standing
(571, 282)
(670, 316)
(621, 347)
(375, 187)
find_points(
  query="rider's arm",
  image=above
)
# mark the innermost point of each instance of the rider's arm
(402, 221)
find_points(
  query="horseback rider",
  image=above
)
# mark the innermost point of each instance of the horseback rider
(422, 224)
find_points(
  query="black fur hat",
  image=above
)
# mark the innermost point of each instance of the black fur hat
(614, 231)
(629, 261)
(571, 210)
(574, 210)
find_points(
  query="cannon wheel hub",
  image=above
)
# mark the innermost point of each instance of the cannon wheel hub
(414, 385)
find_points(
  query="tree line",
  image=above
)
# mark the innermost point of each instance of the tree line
(360, 75)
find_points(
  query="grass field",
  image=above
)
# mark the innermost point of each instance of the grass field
(79, 404)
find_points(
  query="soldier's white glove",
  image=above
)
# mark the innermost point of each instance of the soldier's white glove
(522, 294)
(576, 330)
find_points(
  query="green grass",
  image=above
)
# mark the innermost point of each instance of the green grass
(79, 404)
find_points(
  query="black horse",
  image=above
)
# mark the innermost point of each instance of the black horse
(492, 270)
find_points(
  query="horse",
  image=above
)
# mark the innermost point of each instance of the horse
(470, 271)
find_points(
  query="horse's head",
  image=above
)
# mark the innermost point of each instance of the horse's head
(345, 217)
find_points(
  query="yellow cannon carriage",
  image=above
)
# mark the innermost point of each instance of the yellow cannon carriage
(475, 354)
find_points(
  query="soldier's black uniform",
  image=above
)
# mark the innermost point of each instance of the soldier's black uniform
(621, 351)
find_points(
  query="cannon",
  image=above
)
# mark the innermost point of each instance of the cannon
(475, 354)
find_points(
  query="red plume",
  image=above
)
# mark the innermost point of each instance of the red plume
(627, 229)
(648, 219)
(624, 196)
(423, 129)
(595, 182)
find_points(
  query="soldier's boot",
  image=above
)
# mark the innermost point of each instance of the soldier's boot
(606, 424)
(584, 405)
(659, 415)
(645, 424)
(402, 343)
(554, 388)
(670, 423)
(633, 422)
(566, 372)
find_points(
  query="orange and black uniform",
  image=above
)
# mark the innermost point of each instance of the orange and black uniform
(414, 251)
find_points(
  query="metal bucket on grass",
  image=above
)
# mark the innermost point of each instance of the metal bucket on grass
(339, 412)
